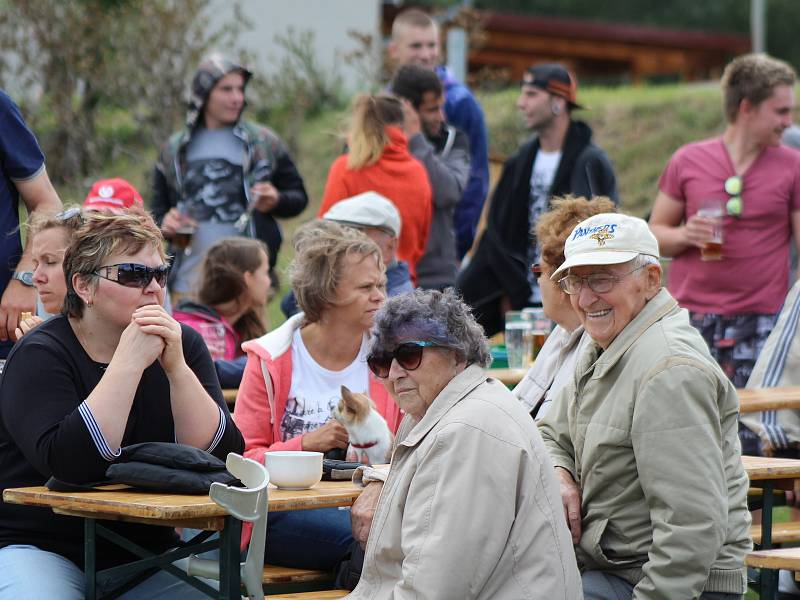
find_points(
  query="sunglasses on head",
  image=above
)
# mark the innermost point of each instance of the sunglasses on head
(134, 275)
(733, 187)
(66, 215)
(408, 355)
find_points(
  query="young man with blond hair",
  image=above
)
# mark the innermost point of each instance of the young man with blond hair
(415, 40)
(733, 301)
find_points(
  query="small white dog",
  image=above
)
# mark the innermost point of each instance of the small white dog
(370, 438)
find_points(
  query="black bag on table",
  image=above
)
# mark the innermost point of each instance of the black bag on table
(162, 467)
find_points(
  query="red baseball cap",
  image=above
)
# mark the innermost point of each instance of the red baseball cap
(113, 193)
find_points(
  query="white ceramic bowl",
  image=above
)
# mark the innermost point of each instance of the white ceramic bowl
(294, 469)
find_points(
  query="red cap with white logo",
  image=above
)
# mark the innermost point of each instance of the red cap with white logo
(115, 193)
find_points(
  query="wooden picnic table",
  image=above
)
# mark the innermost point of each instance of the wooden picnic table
(121, 503)
(776, 398)
(770, 474)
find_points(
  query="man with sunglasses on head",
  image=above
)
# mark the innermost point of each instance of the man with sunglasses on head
(733, 301)
(644, 436)
(560, 159)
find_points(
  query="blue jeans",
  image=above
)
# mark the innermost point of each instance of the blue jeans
(308, 539)
(28, 572)
(598, 585)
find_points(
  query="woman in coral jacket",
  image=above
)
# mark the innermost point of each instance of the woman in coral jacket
(294, 375)
(379, 161)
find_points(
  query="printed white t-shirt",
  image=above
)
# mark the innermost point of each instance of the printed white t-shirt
(542, 176)
(315, 390)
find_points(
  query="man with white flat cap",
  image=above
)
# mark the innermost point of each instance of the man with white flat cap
(644, 437)
(378, 219)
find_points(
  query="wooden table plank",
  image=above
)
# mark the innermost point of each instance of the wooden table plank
(760, 399)
(782, 471)
(229, 395)
(124, 503)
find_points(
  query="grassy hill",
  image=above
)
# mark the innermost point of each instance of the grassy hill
(639, 127)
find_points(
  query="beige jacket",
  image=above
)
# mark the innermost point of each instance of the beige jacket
(649, 431)
(470, 508)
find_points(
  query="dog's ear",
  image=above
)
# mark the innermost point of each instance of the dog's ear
(346, 393)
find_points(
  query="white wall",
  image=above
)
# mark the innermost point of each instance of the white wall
(330, 20)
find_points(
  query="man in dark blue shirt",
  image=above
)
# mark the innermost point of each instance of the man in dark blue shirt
(22, 174)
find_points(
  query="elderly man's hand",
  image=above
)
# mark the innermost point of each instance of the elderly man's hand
(571, 499)
(363, 511)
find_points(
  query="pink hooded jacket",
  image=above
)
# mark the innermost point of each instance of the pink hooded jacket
(261, 400)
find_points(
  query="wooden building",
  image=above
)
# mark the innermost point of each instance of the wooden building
(599, 51)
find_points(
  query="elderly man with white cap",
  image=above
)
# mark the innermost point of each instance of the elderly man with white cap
(644, 438)
(378, 219)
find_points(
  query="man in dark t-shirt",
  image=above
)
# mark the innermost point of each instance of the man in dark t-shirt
(22, 174)
(220, 170)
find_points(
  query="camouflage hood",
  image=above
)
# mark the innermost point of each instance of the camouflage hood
(212, 68)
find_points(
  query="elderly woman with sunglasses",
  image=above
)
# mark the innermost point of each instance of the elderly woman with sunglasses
(470, 506)
(113, 370)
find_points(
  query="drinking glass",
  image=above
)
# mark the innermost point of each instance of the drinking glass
(712, 209)
(518, 340)
(540, 327)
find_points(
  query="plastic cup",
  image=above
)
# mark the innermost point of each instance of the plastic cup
(519, 340)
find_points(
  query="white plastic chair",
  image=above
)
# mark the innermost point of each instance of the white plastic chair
(246, 504)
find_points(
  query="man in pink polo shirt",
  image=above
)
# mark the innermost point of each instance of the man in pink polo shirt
(734, 301)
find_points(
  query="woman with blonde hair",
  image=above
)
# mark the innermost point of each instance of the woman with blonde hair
(294, 375)
(114, 369)
(378, 160)
(555, 362)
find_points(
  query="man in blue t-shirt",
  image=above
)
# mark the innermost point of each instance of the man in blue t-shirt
(415, 40)
(22, 174)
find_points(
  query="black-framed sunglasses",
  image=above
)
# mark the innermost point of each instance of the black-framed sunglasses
(134, 275)
(408, 355)
(733, 187)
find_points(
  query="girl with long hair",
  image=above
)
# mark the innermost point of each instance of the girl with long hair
(378, 160)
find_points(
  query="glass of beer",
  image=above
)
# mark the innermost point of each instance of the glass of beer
(540, 327)
(182, 240)
(713, 210)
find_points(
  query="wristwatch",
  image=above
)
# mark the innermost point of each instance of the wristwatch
(25, 277)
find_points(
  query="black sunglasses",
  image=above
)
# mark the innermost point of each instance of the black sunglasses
(407, 354)
(134, 275)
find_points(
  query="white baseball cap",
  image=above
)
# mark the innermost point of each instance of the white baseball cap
(369, 209)
(607, 239)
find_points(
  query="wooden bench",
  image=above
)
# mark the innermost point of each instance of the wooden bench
(782, 533)
(777, 558)
(323, 595)
(281, 575)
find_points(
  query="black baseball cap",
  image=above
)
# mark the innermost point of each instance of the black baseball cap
(554, 78)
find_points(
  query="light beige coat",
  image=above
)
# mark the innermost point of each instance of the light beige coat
(648, 429)
(471, 507)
